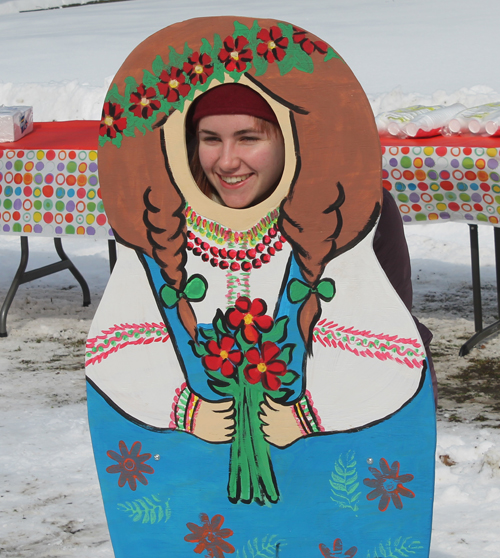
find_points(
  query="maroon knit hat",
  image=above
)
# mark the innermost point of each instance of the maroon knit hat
(231, 98)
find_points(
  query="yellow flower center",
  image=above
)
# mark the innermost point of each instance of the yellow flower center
(271, 45)
(198, 69)
(224, 355)
(108, 121)
(173, 83)
(248, 319)
(261, 367)
(144, 102)
(234, 55)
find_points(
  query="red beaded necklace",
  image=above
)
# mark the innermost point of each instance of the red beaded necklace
(250, 258)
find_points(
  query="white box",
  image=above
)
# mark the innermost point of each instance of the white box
(15, 122)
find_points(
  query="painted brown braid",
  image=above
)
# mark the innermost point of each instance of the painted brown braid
(167, 236)
(313, 247)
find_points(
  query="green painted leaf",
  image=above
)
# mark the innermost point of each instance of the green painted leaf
(344, 483)
(267, 547)
(198, 349)
(289, 377)
(220, 323)
(401, 548)
(352, 488)
(330, 53)
(158, 65)
(146, 510)
(241, 30)
(260, 65)
(206, 47)
(279, 332)
(286, 65)
(177, 60)
(303, 61)
(339, 469)
(218, 44)
(208, 333)
(336, 478)
(286, 353)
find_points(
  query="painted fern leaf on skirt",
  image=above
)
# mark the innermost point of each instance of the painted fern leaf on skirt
(147, 510)
(344, 482)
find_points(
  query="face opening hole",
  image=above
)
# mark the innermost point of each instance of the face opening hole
(236, 160)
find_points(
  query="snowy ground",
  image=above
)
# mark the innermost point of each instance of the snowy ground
(403, 52)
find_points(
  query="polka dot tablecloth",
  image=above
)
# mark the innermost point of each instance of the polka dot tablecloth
(439, 183)
(51, 192)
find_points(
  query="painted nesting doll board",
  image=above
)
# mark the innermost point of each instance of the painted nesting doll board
(255, 385)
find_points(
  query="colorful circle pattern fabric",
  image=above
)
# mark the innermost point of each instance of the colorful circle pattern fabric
(52, 193)
(438, 184)
(56, 192)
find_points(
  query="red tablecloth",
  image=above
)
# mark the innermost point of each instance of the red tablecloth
(73, 134)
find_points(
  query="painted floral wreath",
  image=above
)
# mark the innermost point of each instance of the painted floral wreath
(171, 84)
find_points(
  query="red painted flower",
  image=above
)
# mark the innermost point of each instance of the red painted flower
(143, 102)
(112, 121)
(210, 537)
(300, 37)
(130, 465)
(264, 367)
(221, 356)
(388, 485)
(273, 44)
(250, 316)
(173, 85)
(234, 55)
(337, 550)
(198, 67)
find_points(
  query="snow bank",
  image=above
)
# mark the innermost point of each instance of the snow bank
(71, 100)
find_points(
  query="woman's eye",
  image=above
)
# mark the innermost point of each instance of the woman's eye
(249, 139)
(210, 139)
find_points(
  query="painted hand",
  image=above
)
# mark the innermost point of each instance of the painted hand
(280, 427)
(214, 421)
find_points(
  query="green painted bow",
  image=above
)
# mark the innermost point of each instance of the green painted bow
(195, 290)
(299, 291)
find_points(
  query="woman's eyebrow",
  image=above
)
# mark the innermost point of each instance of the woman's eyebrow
(208, 132)
(248, 131)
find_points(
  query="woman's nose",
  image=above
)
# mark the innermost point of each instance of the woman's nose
(229, 160)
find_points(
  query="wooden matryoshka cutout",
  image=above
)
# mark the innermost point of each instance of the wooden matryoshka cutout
(255, 384)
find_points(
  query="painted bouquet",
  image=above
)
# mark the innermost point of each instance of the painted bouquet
(245, 358)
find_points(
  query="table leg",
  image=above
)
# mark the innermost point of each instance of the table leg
(481, 334)
(66, 263)
(14, 286)
(22, 276)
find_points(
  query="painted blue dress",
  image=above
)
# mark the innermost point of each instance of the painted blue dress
(359, 479)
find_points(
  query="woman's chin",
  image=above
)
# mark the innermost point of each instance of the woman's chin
(236, 202)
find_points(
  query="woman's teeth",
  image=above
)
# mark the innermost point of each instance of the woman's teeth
(235, 179)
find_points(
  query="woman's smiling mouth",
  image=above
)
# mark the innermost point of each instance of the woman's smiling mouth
(232, 180)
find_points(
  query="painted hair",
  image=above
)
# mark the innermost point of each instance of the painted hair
(335, 193)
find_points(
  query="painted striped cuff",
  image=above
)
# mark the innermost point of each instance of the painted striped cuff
(306, 416)
(184, 409)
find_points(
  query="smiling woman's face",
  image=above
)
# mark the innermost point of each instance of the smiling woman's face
(242, 161)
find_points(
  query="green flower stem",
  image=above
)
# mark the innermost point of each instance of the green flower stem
(250, 472)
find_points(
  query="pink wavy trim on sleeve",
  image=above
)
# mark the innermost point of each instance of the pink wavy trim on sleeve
(315, 411)
(175, 402)
(364, 343)
(120, 336)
